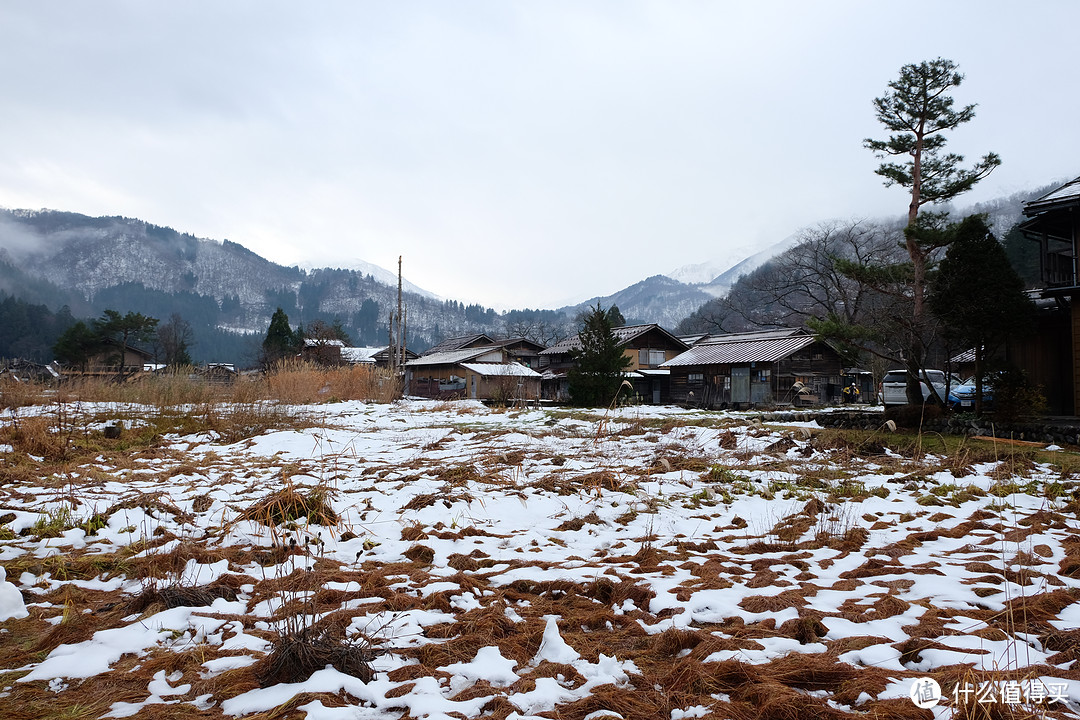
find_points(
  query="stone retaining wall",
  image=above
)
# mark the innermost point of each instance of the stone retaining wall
(1048, 431)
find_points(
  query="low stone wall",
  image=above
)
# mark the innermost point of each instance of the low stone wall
(1043, 431)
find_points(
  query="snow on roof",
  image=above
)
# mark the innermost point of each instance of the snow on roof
(500, 369)
(1067, 194)
(322, 342)
(454, 357)
(360, 355)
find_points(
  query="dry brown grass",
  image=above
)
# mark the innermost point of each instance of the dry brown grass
(298, 654)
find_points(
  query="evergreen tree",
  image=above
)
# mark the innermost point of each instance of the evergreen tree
(978, 296)
(596, 377)
(77, 345)
(615, 317)
(280, 342)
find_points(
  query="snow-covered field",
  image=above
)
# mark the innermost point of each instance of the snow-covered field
(642, 563)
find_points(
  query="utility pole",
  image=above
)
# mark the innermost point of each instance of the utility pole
(401, 334)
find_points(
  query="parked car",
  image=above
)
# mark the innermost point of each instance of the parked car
(893, 388)
(962, 397)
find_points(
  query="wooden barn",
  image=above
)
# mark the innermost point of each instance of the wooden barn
(482, 373)
(769, 367)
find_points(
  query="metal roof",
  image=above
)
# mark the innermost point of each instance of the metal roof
(623, 335)
(1067, 194)
(766, 346)
(457, 343)
(453, 357)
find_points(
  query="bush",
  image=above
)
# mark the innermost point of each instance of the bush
(1015, 396)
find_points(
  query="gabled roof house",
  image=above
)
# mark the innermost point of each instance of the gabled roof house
(765, 367)
(647, 346)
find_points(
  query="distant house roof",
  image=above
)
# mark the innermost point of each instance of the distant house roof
(759, 346)
(322, 342)
(692, 340)
(455, 357)
(624, 335)
(500, 369)
(458, 343)
(522, 343)
(146, 355)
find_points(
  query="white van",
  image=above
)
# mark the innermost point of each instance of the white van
(893, 388)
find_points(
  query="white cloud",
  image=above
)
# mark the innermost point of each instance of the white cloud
(515, 153)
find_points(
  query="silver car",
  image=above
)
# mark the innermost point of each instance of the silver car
(894, 387)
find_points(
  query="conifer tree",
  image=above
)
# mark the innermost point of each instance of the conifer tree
(917, 110)
(597, 374)
(978, 296)
(280, 341)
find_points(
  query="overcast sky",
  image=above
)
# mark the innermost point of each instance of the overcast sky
(515, 153)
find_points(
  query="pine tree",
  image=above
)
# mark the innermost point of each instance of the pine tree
(596, 377)
(918, 110)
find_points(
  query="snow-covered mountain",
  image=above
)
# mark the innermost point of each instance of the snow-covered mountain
(657, 299)
(382, 275)
(128, 264)
(703, 273)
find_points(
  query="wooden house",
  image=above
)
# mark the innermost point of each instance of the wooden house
(522, 350)
(108, 361)
(647, 347)
(1051, 354)
(480, 373)
(768, 367)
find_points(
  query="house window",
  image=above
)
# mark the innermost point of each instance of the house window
(695, 378)
(648, 357)
(764, 375)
